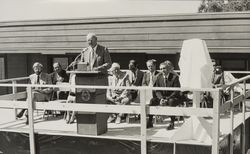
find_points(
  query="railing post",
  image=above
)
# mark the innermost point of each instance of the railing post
(232, 121)
(243, 118)
(143, 122)
(31, 123)
(14, 91)
(216, 121)
(196, 99)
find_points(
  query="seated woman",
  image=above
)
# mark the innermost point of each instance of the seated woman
(118, 96)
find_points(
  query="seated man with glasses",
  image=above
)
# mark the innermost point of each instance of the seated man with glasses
(166, 98)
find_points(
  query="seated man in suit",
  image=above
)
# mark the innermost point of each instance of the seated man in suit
(58, 76)
(218, 79)
(135, 77)
(38, 93)
(171, 98)
(118, 96)
(149, 76)
(149, 79)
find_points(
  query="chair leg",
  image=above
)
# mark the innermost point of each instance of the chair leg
(65, 114)
(67, 118)
(155, 119)
(128, 118)
(44, 112)
(72, 118)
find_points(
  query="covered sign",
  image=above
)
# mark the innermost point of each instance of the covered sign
(196, 68)
(196, 71)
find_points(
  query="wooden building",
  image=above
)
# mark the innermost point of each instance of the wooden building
(134, 37)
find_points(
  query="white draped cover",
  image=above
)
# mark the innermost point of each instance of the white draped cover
(196, 68)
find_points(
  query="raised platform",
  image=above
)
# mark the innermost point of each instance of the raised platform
(56, 131)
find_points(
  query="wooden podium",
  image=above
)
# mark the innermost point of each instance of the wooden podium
(91, 123)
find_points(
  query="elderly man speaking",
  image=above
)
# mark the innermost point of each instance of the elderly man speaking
(97, 56)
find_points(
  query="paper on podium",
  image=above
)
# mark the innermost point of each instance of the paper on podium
(82, 66)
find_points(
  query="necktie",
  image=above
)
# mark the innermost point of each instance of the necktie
(151, 80)
(91, 58)
(116, 81)
(166, 81)
(133, 77)
(38, 79)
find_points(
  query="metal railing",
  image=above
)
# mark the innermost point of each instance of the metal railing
(14, 81)
(11, 101)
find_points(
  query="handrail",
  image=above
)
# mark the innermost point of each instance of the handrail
(236, 82)
(26, 78)
(110, 87)
(14, 79)
(241, 72)
(200, 112)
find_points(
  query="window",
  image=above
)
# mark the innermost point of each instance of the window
(62, 60)
(233, 65)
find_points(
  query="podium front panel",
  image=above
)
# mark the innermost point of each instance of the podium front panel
(91, 123)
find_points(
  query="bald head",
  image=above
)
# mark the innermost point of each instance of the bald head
(91, 39)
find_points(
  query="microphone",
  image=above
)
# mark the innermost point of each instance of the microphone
(75, 60)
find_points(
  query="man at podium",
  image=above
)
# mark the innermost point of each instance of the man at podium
(92, 65)
(96, 56)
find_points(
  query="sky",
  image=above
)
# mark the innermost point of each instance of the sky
(16, 10)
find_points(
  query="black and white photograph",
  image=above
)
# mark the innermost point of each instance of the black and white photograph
(124, 76)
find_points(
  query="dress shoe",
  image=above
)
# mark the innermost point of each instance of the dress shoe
(27, 120)
(111, 119)
(149, 124)
(118, 120)
(123, 117)
(20, 114)
(181, 118)
(72, 119)
(170, 126)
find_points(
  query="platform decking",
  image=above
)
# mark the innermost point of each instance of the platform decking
(123, 131)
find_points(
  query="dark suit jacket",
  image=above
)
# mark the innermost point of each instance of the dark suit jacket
(102, 59)
(62, 74)
(218, 79)
(137, 81)
(172, 81)
(146, 78)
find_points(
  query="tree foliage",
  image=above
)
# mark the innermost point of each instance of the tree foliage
(224, 6)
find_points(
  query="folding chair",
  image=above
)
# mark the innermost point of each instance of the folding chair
(56, 93)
